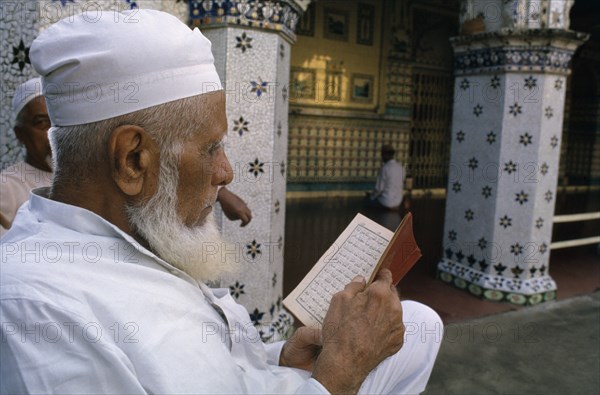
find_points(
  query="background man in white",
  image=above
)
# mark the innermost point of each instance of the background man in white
(103, 274)
(31, 123)
(389, 187)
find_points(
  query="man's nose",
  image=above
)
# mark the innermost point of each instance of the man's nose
(223, 174)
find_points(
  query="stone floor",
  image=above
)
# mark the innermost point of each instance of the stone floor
(552, 348)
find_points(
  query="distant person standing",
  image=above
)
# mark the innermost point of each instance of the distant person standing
(31, 129)
(389, 188)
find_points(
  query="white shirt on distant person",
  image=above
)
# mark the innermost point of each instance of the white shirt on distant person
(389, 188)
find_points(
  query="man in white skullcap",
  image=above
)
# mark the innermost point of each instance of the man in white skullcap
(103, 275)
(31, 129)
(31, 125)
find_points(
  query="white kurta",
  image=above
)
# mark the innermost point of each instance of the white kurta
(85, 309)
(389, 187)
(16, 182)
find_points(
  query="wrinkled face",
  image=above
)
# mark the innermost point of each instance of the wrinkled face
(203, 166)
(177, 222)
(31, 129)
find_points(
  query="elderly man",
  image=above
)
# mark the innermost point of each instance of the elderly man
(31, 129)
(31, 123)
(103, 274)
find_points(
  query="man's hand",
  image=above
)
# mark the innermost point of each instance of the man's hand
(302, 349)
(234, 207)
(363, 326)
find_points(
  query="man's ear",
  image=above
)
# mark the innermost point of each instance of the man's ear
(133, 155)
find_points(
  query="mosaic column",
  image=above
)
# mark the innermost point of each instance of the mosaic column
(251, 43)
(506, 136)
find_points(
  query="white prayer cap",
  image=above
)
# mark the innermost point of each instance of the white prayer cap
(100, 65)
(25, 93)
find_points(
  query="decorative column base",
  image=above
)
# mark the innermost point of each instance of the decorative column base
(497, 288)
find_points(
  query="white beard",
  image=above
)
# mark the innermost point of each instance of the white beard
(49, 162)
(200, 251)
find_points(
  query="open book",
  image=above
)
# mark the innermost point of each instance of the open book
(363, 248)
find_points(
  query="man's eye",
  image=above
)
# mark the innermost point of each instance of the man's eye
(215, 147)
(42, 122)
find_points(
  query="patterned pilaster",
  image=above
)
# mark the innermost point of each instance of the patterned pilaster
(506, 135)
(251, 44)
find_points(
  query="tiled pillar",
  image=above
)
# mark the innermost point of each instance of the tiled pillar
(251, 43)
(506, 136)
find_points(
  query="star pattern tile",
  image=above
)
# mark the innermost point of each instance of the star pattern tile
(539, 223)
(465, 84)
(491, 138)
(558, 84)
(525, 139)
(253, 249)
(482, 243)
(21, 56)
(522, 197)
(515, 109)
(530, 82)
(544, 168)
(554, 141)
(452, 235)
(258, 87)
(240, 126)
(469, 215)
(256, 167)
(456, 187)
(478, 110)
(516, 249)
(237, 289)
(460, 136)
(486, 191)
(549, 112)
(473, 163)
(495, 82)
(505, 221)
(510, 167)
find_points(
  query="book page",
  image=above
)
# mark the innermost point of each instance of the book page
(356, 251)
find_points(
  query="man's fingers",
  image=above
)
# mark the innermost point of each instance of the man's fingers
(357, 285)
(384, 275)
